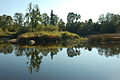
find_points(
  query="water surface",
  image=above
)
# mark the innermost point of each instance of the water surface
(90, 62)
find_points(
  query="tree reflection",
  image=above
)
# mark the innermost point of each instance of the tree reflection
(20, 51)
(109, 51)
(105, 49)
(6, 48)
(73, 52)
(51, 51)
(35, 60)
(35, 54)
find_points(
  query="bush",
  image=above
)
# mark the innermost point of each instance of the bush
(1, 30)
(47, 28)
(45, 36)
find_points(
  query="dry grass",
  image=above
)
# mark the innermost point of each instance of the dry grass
(6, 34)
(50, 34)
(44, 36)
(104, 38)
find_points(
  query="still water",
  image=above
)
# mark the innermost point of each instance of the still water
(91, 62)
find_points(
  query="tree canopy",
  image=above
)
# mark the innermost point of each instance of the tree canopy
(33, 20)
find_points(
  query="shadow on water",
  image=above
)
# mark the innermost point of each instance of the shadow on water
(36, 53)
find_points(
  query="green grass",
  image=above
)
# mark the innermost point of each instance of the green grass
(46, 33)
(47, 28)
(45, 36)
(6, 34)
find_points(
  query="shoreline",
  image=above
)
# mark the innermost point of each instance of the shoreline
(35, 38)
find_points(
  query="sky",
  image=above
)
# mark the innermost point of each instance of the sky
(88, 9)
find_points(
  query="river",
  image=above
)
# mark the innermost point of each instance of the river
(90, 62)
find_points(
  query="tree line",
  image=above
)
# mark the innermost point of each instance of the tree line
(33, 20)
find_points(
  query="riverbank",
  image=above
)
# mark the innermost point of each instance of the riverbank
(6, 36)
(46, 37)
(104, 38)
(43, 37)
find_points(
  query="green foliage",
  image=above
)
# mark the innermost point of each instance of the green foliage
(46, 33)
(33, 16)
(44, 36)
(45, 19)
(5, 22)
(66, 35)
(47, 28)
(61, 25)
(53, 19)
(34, 21)
(19, 19)
(72, 17)
(109, 22)
(73, 22)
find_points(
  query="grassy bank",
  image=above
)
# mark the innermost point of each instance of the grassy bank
(104, 38)
(44, 37)
(6, 34)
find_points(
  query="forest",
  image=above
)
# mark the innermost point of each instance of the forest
(34, 21)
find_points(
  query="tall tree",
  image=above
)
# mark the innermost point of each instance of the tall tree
(73, 22)
(89, 26)
(72, 17)
(53, 19)
(33, 16)
(45, 19)
(109, 22)
(61, 25)
(19, 19)
(6, 22)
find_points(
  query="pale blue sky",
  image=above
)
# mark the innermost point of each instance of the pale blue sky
(86, 8)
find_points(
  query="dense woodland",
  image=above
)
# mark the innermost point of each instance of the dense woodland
(33, 20)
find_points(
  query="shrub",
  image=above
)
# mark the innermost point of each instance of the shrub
(1, 30)
(47, 28)
(45, 36)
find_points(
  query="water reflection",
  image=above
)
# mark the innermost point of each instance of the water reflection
(34, 61)
(73, 52)
(35, 54)
(6, 48)
(106, 50)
